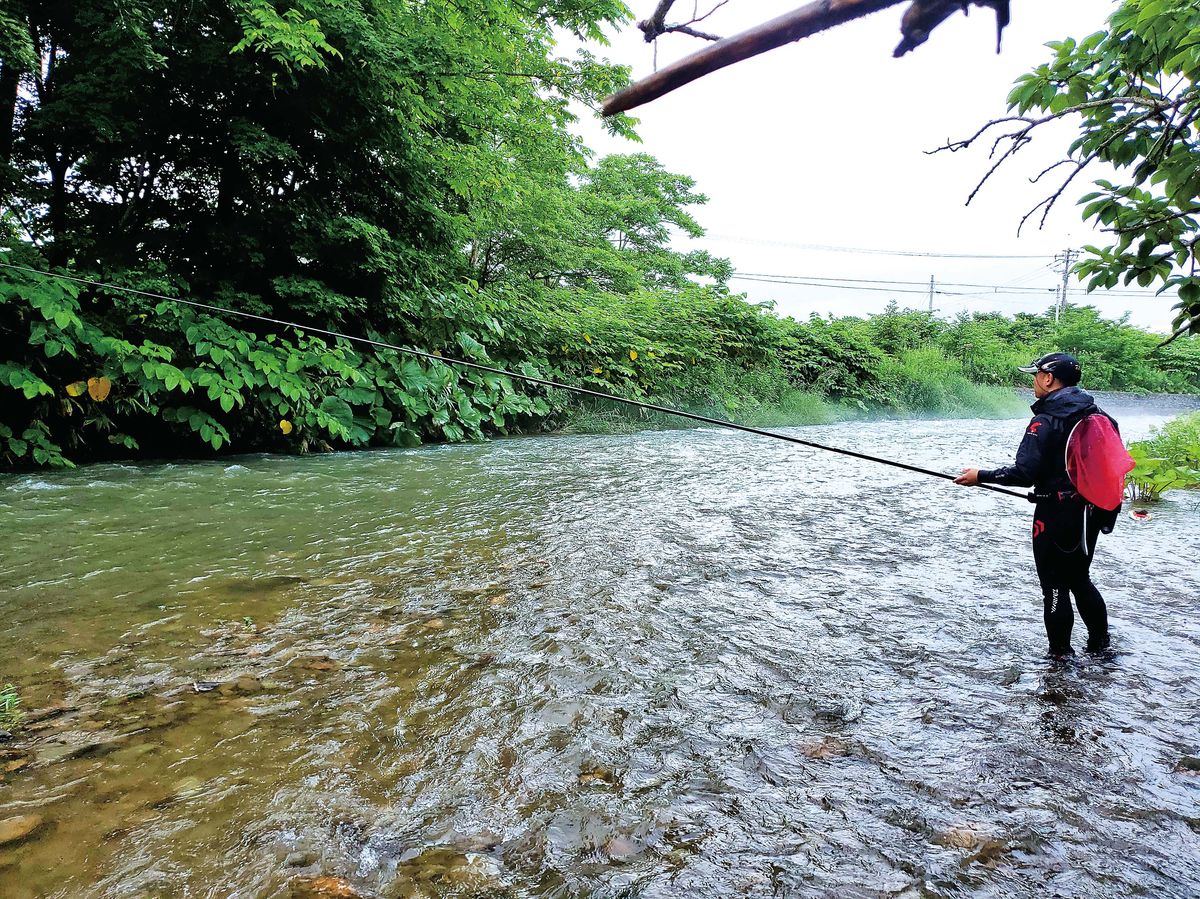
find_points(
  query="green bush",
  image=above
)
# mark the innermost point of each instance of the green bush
(1168, 459)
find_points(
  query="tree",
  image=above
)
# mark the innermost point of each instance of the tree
(603, 227)
(1133, 90)
(319, 157)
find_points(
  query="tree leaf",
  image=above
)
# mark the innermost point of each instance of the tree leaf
(98, 388)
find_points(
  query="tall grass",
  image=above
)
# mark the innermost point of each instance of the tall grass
(920, 382)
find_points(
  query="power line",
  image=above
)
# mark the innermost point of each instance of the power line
(847, 286)
(789, 278)
(810, 281)
(873, 251)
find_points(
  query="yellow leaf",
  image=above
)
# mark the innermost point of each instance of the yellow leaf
(597, 371)
(98, 388)
(633, 355)
(587, 337)
(651, 355)
(77, 389)
(285, 426)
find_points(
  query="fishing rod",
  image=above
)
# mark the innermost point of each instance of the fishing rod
(545, 382)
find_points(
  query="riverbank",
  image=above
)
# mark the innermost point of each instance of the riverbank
(787, 408)
(102, 382)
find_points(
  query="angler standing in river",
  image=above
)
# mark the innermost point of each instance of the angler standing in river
(1065, 525)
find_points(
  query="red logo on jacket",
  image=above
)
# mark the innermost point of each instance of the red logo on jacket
(1033, 428)
(1039, 528)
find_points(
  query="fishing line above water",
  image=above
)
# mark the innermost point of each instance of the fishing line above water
(545, 382)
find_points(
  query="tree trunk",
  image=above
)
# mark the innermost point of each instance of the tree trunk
(58, 165)
(9, 79)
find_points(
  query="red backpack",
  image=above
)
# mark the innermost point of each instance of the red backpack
(1097, 462)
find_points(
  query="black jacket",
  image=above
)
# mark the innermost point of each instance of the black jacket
(1042, 456)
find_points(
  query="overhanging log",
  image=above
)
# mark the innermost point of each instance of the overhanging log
(791, 26)
(921, 17)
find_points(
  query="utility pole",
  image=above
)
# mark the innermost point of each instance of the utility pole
(1067, 259)
(931, 294)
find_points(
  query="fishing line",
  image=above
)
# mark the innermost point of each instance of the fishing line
(545, 382)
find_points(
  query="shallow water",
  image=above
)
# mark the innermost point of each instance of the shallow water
(688, 663)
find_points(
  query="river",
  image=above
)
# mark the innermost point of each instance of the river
(673, 664)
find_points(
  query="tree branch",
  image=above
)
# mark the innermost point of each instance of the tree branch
(817, 16)
(920, 19)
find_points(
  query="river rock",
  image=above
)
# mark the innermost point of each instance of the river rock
(245, 685)
(1189, 764)
(825, 748)
(958, 838)
(62, 752)
(15, 765)
(598, 775)
(621, 849)
(13, 830)
(316, 663)
(49, 712)
(322, 888)
(474, 872)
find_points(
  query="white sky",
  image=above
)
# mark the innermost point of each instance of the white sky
(822, 142)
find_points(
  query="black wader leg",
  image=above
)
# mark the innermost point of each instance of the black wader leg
(1088, 600)
(1054, 575)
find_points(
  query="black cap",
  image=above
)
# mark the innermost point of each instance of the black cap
(1063, 366)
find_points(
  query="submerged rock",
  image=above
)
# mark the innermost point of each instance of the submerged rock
(825, 748)
(13, 830)
(960, 838)
(316, 663)
(1189, 764)
(322, 888)
(77, 749)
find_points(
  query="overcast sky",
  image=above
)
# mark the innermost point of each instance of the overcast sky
(822, 142)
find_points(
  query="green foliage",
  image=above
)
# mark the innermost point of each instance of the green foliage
(407, 172)
(11, 715)
(1169, 459)
(1134, 90)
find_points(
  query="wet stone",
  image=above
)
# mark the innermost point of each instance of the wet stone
(244, 685)
(621, 849)
(316, 663)
(598, 775)
(825, 748)
(962, 838)
(49, 712)
(322, 888)
(14, 830)
(62, 752)
(1189, 764)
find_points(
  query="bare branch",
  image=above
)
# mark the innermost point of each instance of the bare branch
(687, 29)
(656, 26)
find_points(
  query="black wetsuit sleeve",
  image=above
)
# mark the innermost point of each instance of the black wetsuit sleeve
(1031, 457)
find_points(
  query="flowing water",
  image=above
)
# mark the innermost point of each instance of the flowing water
(674, 664)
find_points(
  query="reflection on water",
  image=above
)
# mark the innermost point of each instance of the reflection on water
(674, 664)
